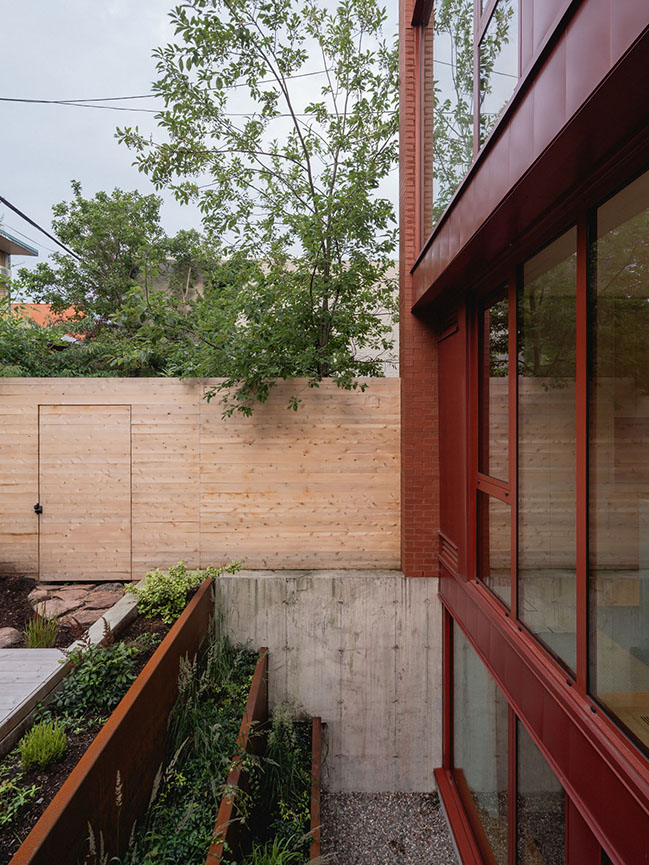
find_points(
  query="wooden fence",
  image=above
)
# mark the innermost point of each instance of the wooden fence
(138, 473)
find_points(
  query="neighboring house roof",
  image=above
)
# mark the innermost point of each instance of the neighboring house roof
(41, 313)
(12, 246)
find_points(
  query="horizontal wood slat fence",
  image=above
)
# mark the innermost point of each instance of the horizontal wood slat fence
(317, 488)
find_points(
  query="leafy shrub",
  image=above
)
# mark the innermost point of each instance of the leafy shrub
(12, 794)
(100, 677)
(44, 744)
(164, 593)
(287, 776)
(41, 631)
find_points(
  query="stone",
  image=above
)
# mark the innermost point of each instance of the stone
(109, 587)
(55, 607)
(71, 593)
(83, 617)
(10, 637)
(102, 600)
(37, 595)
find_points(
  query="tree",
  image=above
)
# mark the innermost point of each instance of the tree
(119, 244)
(288, 191)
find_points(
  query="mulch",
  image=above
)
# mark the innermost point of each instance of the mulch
(50, 780)
(16, 611)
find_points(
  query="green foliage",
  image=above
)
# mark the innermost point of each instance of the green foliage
(100, 677)
(201, 741)
(164, 593)
(294, 199)
(277, 852)
(41, 631)
(13, 794)
(44, 744)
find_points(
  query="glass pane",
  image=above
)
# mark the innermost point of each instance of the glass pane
(494, 395)
(494, 546)
(619, 459)
(540, 807)
(480, 745)
(498, 64)
(547, 447)
(452, 24)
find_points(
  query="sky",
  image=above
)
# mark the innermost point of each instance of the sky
(74, 50)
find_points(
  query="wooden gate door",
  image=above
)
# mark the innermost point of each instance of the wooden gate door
(85, 492)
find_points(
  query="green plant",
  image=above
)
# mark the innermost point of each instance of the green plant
(100, 677)
(41, 631)
(286, 779)
(164, 593)
(277, 852)
(44, 744)
(12, 795)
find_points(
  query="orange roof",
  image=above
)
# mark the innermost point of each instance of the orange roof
(42, 313)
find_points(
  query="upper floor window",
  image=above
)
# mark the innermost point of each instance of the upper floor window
(466, 107)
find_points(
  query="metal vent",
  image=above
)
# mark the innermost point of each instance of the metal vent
(448, 553)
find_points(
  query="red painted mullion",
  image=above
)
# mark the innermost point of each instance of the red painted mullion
(582, 451)
(512, 404)
(476, 77)
(447, 688)
(512, 786)
(473, 417)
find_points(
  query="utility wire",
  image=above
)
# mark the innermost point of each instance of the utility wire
(36, 225)
(30, 239)
(149, 95)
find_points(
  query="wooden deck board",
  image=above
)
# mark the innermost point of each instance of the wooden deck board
(26, 676)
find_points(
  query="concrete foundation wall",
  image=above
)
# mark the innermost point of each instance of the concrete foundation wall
(362, 649)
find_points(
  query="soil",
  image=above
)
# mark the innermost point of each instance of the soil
(16, 611)
(50, 780)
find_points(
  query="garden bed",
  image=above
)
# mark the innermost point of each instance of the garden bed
(79, 737)
(111, 784)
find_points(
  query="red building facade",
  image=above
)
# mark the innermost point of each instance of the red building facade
(525, 413)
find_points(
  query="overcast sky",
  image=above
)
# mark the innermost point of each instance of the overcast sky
(80, 49)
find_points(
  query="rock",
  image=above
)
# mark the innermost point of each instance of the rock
(103, 600)
(10, 637)
(55, 607)
(71, 593)
(37, 595)
(109, 587)
(84, 618)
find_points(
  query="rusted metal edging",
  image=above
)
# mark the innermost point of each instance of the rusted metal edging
(228, 831)
(110, 786)
(316, 775)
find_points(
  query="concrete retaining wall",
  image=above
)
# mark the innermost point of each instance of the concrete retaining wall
(361, 649)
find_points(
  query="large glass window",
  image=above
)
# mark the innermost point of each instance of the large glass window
(547, 446)
(498, 57)
(619, 459)
(494, 545)
(540, 807)
(452, 22)
(494, 390)
(480, 737)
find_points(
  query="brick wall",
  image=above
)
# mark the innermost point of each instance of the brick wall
(417, 356)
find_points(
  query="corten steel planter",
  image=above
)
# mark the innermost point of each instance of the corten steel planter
(316, 770)
(111, 785)
(229, 833)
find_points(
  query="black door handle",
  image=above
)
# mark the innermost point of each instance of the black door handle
(38, 508)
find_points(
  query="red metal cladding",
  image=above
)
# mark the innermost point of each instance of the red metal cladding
(316, 770)
(605, 777)
(229, 832)
(463, 836)
(111, 785)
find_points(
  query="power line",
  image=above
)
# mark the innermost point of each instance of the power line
(36, 225)
(148, 95)
(30, 239)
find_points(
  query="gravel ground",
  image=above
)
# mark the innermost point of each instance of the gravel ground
(385, 829)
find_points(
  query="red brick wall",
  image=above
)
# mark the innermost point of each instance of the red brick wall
(418, 355)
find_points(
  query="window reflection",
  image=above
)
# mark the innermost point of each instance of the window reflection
(452, 23)
(619, 459)
(494, 546)
(547, 447)
(498, 64)
(540, 807)
(494, 394)
(480, 746)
